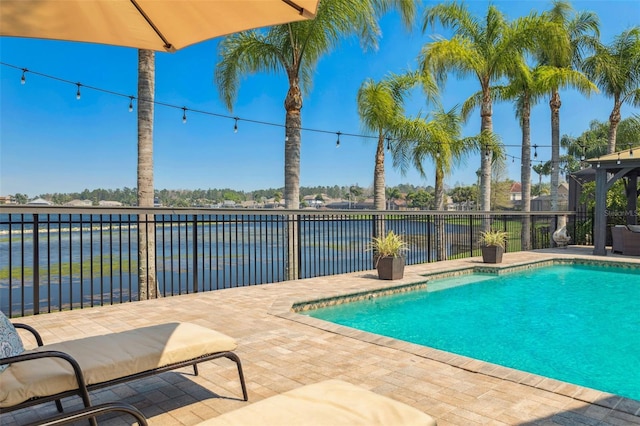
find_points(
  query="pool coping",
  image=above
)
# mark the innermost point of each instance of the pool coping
(290, 308)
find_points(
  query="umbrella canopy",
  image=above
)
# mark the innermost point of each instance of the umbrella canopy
(163, 25)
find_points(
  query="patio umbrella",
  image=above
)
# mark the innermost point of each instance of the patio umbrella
(162, 25)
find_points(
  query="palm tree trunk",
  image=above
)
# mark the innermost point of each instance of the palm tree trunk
(379, 228)
(486, 157)
(525, 173)
(555, 105)
(293, 124)
(378, 176)
(614, 120)
(486, 125)
(146, 225)
(441, 248)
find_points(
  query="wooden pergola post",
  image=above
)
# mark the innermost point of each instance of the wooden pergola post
(600, 219)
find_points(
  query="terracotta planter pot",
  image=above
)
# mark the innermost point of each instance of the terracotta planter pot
(492, 254)
(390, 268)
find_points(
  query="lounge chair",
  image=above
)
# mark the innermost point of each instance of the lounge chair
(625, 240)
(75, 367)
(330, 403)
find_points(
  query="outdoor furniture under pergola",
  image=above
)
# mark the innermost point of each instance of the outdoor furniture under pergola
(608, 169)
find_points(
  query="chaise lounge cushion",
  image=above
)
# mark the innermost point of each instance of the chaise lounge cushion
(332, 402)
(108, 357)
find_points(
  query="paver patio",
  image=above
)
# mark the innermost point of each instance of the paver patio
(282, 350)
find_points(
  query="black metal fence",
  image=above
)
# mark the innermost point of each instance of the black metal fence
(88, 257)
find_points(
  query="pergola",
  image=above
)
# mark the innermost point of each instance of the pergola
(608, 169)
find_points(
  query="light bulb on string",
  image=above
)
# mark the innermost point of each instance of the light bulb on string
(513, 159)
(618, 161)
(630, 152)
(438, 152)
(184, 115)
(78, 92)
(235, 125)
(338, 141)
(535, 151)
(388, 143)
(598, 165)
(130, 103)
(23, 79)
(486, 154)
(583, 156)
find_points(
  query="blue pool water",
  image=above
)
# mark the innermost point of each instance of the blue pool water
(578, 324)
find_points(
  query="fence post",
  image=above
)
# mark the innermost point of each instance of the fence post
(195, 252)
(36, 265)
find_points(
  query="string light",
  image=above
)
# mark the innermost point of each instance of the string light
(438, 152)
(630, 152)
(236, 119)
(583, 155)
(598, 165)
(235, 125)
(618, 161)
(184, 115)
(535, 151)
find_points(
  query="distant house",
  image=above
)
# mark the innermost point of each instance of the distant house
(40, 202)
(7, 199)
(515, 192)
(103, 203)
(311, 201)
(79, 203)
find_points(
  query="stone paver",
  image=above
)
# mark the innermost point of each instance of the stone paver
(282, 350)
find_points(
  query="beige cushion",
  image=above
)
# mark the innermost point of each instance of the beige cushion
(332, 402)
(110, 356)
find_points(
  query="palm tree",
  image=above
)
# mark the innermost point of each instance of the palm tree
(480, 47)
(542, 169)
(294, 49)
(616, 71)
(580, 31)
(146, 227)
(526, 87)
(440, 140)
(381, 110)
(393, 194)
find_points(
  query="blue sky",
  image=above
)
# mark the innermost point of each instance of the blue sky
(52, 142)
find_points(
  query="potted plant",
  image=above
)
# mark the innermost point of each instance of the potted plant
(389, 253)
(493, 243)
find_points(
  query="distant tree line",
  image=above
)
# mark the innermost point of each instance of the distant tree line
(417, 196)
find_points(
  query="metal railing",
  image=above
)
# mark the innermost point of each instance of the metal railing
(84, 257)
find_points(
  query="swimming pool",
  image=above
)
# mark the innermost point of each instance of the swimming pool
(575, 323)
